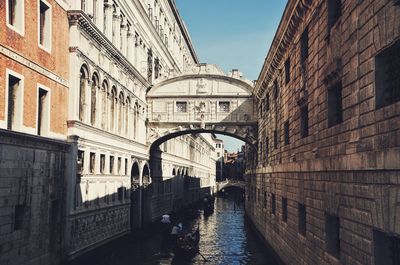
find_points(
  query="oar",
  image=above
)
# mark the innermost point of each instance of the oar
(206, 260)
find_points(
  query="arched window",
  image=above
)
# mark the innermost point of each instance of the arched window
(127, 116)
(135, 119)
(120, 113)
(83, 82)
(93, 99)
(146, 175)
(104, 91)
(113, 100)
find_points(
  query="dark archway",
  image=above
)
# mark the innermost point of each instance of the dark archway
(146, 175)
(173, 172)
(154, 148)
(136, 197)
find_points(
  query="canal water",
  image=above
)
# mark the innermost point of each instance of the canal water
(225, 239)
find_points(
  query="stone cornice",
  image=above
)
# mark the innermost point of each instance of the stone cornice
(145, 38)
(78, 17)
(183, 29)
(13, 55)
(288, 26)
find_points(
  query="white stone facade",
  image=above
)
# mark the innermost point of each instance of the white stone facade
(118, 49)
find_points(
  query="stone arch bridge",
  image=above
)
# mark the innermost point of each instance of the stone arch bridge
(202, 100)
(241, 184)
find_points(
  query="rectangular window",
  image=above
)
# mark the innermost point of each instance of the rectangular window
(14, 92)
(119, 165)
(266, 102)
(332, 231)
(102, 163)
(386, 248)
(43, 112)
(266, 148)
(273, 203)
(302, 219)
(335, 115)
(334, 12)
(44, 25)
(81, 161)
(287, 71)
(15, 15)
(286, 132)
(304, 48)
(284, 210)
(387, 76)
(304, 121)
(275, 139)
(224, 106)
(19, 216)
(111, 164)
(92, 163)
(121, 191)
(126, 166)
(181, 106)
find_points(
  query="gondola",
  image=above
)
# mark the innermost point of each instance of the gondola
(208, 209)
(187, 246)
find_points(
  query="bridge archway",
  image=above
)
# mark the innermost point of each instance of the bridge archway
(202, 100)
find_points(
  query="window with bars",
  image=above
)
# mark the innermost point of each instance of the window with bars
(302, 222)
(284, 209)
(335, 112)
(181, 106)
(224, 106)
(287, 71)
(304, 121)
(273, 203)
(332, 232)
(387, 76)
(386, 248)
(334, 12)
(304, 48)
(286, 129)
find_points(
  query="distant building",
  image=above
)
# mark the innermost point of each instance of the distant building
(219, 150)
(234, 165)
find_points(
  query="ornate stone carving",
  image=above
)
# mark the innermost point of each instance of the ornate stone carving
(201, 86)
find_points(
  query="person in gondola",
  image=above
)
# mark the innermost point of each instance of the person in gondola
(165, 230)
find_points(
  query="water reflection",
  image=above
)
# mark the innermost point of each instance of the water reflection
(225, 239)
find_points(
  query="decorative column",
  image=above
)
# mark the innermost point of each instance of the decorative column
(108, 19)
(124, 37)
(100, 14)
(130, 47)
(116, 25)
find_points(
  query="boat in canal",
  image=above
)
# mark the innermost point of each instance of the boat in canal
(187, 246)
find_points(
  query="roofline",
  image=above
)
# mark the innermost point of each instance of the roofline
(279, 40)
(184, 30)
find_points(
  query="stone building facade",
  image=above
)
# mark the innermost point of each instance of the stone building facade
(325, 188)
(34, 67)
(33, 108)
(117, 50)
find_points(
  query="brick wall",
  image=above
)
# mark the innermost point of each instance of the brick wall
(349, 170)
(31, 199)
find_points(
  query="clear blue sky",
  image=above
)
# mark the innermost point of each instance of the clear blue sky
(234, 34)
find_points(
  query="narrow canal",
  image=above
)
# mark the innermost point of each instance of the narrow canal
(225, 239)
